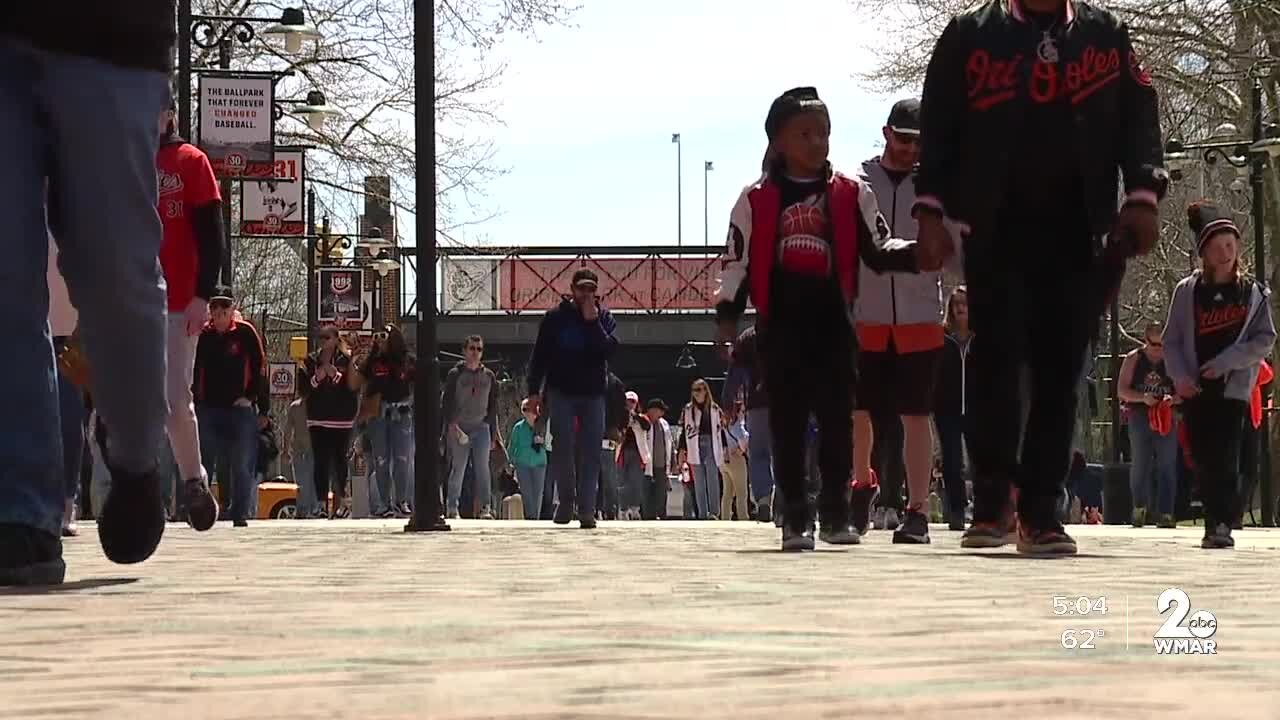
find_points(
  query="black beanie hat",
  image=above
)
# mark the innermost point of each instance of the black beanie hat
(792, 103)
(1206, 220)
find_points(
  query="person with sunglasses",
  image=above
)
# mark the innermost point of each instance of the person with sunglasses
(332, 404)
(900, 338)
(389, 375)
(1147, 390)
(471, 410)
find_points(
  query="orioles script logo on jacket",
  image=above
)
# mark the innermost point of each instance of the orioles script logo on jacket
(993, 81)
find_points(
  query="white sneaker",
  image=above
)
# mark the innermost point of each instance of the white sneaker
(634, 513)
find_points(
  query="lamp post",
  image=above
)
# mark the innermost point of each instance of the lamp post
(706, 226)
(675, 138)
(1264, 142)
(427, 511)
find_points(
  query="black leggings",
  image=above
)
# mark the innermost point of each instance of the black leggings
(330, 446)
(1214, 428)
(803, 378)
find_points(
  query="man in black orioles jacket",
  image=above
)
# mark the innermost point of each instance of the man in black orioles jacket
(232, 399)
(1031, 111)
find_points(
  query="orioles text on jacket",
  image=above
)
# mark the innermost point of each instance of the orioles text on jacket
(990, 63)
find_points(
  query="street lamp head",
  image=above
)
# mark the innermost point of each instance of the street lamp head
(316, 111)
(374, 241)
(1225, 131)
(1176, 159)
(385, 265)
(293, 30)
(1270, 146)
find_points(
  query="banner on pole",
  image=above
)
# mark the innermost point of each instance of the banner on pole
(283, 379)
(237, 124)
(341, 298)
(275, 207)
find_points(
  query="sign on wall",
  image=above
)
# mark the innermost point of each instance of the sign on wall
(469, 284)
(341, 296)
(283, 379)
(275, 206)
(236, 122)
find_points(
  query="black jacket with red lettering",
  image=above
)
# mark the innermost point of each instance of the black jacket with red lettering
(231, 365)
(986, 68)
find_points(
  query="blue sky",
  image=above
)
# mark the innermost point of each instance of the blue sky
(588, 112)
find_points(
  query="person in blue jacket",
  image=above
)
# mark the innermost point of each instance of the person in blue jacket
(568, 370)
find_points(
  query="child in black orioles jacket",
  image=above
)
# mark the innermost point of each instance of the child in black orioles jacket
(796, 236)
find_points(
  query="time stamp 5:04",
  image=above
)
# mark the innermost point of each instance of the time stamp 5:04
(1082, 606)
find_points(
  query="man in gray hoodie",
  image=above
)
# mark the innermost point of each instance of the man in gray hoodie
(471, 410)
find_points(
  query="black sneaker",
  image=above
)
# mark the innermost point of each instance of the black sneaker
(797, 538)
(837, 534)
(202, 507)
(587, 523)
(240, 523)
(862, 500)
(1217, 538)
(914, 529)
(133, 518)
(30, 557)
(1052, 540)
(763, 513)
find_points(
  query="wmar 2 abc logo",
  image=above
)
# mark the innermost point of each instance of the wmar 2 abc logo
(1180, 634)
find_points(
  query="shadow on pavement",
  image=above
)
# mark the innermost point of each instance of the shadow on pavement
(75, 586)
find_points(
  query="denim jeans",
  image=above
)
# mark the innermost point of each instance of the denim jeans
(654, 506)
(760, 454)
(706, 480)
(391, 435)
(532, 479)
(574, 487)
(480, 438)
(304, 468)
(1153, 455)
(100, 168)
(233, 432)
(951, 434)
(72, 413)
(632, 483)
(609, 483)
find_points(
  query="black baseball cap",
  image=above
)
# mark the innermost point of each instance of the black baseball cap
(223, 294)
(905, 117)
(585, 277)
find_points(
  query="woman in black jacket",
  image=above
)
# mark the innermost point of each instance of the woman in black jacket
(389, 377)
(954, 386)
(331, 410)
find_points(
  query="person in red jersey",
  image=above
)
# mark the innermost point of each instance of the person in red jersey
(191, 256)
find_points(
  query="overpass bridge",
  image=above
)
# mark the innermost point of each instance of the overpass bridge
(661, 297)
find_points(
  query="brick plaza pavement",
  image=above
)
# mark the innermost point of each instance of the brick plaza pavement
(354, 619)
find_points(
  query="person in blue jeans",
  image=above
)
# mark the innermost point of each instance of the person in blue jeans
(702, 447)
(297, 452)
(95, 173)
(528, 453)
(232, 400)
(571, 358)
(746, 381)
(471, 409)
(389, 376)
(1144, 383)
